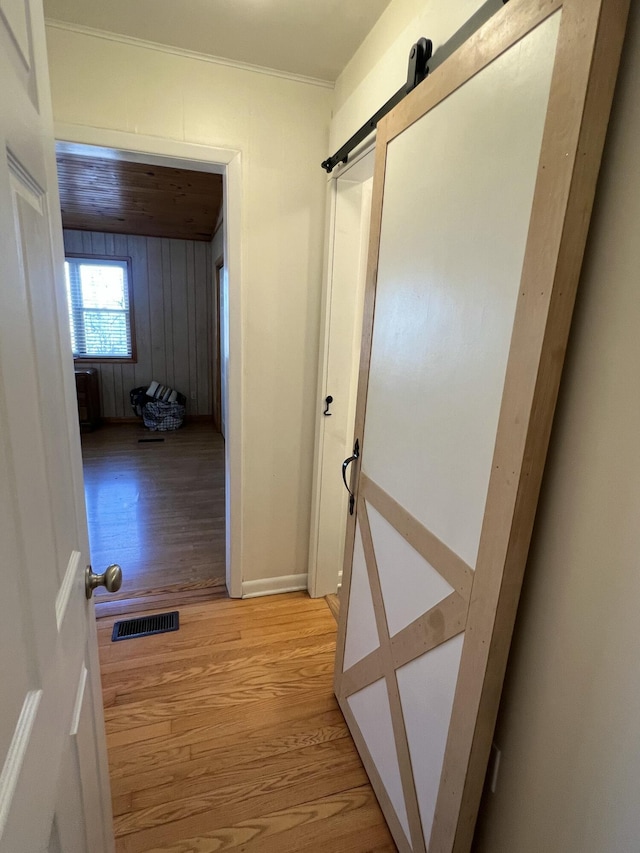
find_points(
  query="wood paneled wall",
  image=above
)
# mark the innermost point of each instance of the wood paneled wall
(172, 294)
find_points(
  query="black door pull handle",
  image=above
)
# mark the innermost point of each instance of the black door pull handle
(328, 401)
(345, 465)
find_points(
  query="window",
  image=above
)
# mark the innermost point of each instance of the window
(100, 310)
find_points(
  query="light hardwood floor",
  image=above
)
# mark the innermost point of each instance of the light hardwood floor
(226, 735)
(157, 508)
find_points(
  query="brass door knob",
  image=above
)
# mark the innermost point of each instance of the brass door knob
(111, 579)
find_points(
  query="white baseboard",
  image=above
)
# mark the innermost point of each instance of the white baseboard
(274, 586)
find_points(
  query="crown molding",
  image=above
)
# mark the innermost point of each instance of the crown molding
(56, 24)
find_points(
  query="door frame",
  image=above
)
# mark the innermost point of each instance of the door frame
(159, 151)
(215, 359)
(318, 585)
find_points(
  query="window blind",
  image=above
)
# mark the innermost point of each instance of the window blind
(99, 309)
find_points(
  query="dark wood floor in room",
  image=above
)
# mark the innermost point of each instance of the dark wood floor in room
(226, 735)
(157, 508)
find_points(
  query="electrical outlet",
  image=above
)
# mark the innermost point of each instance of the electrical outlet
(194, 395)
(494, 767)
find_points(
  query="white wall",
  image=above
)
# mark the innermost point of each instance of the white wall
(281, 127)
(569, 724)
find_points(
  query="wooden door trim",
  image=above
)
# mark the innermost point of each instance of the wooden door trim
(439, 624)
(380, 791)
(580, 98)
(361, 674)
(445, 561)
(391, 682)
(215, 355)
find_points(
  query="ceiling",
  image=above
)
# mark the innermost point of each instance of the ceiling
(305, 37)
(120, 197)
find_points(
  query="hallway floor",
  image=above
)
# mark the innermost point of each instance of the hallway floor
(157, 507)
(226, 735)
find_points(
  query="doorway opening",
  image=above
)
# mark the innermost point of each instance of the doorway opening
(349, 191)
(158, 500)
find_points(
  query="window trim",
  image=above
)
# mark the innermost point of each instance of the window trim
(116, 359)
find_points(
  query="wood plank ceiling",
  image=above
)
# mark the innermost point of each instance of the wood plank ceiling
(136, 198)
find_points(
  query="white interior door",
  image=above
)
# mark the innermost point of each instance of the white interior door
(342, 334)
(54, 789)
(484, 183)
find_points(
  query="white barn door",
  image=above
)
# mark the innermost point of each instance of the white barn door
(484, 182)
(54, 788)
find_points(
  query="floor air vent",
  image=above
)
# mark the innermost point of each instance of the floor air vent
(143, 626)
